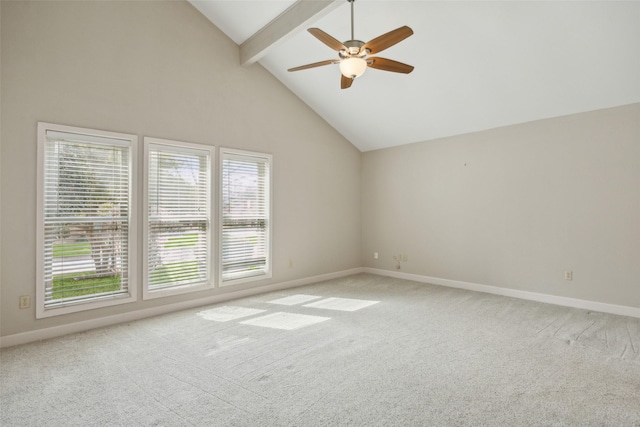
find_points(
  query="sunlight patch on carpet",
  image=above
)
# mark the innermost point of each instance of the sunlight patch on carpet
(341, 304)
(294, 299)
(286, 321)
(227, 313)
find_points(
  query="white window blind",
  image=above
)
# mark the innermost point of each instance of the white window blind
(245, 232)
(85, 218)
(178, 215)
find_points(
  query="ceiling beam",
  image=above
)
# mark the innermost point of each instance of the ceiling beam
(298, 16)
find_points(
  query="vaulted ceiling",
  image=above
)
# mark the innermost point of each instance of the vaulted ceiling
(478, 64)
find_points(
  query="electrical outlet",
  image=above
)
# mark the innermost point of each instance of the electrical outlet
(25, 301)
(568, 275)
(375, 255)
(404, 257)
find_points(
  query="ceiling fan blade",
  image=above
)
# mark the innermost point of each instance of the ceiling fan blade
(327, 39)
(389, 65)
(387, 40)
(345, 82)
(315, 64)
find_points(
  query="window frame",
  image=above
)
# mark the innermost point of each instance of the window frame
(269, 220)
(209, 283)
(130, 141)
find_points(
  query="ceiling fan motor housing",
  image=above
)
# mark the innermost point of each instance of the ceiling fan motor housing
(353, 49)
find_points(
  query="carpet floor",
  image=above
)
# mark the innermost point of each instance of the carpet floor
(363, 350)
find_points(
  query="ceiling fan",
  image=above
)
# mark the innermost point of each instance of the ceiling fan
(354, 54)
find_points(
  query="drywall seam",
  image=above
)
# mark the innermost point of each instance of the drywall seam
(56, 331)
(515, 293)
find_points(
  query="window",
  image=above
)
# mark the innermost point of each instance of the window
(245, 233)
(178, 217)
(85, 219)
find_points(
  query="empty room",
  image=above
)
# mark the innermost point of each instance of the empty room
(319, 212)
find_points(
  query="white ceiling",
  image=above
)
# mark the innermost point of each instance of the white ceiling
(478, 64)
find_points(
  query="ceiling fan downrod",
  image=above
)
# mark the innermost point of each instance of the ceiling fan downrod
(351, 1)
(353, 46)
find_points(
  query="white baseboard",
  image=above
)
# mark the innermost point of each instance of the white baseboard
(622, 310)
(56, 331)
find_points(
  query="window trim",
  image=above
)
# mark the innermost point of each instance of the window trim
(181, 289)
(132, 253)
(268, 265)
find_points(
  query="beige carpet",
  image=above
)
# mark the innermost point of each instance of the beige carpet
(362, 350)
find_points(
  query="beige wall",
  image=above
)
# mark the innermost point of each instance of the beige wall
(161, 69)
(515, 207)
(512, 207)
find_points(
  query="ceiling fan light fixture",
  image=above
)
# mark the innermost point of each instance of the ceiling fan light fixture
(353, 67)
